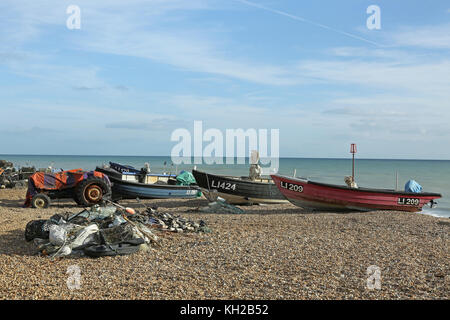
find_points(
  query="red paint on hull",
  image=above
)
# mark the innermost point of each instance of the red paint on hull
(316, 195)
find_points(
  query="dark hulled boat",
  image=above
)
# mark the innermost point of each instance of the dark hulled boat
(132, 185)
(240, 190)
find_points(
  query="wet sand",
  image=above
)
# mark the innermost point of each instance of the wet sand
(272, 252)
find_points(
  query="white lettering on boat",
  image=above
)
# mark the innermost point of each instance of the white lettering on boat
(291, 186)
(408, 201)
(223, 185)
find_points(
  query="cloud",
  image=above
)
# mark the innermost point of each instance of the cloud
(161, 124)
(425, 77)
(122, 88)
(10, 57)
(86, 88)
(140, 29)
(374, 54)
(429, 37)
(186, 51)
(30, 132)
(358, 112)
(135, 30)
(301, 19)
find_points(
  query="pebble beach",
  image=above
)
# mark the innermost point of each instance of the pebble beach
(270, 252)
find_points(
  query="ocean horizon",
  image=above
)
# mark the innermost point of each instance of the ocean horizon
(432, 174)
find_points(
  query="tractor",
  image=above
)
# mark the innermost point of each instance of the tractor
(85, 187)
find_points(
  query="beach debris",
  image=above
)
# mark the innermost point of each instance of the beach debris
(10, 177)
(444, 222)
(6, 164)
(37, 229)
(169, 222)
(221, 206)
(8, 174)
(211, 195)
(105, 230)
(97, 231)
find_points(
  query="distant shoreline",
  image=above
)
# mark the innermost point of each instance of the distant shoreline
(167, 156)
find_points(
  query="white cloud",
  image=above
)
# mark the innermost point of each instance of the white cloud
(429, 37)
(425, 77)
(135, 29)
(186, 51)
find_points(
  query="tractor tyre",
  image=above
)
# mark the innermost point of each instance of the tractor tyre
(91, 191)
(40, 201)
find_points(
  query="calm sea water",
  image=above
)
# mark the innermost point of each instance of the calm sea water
(433, 175)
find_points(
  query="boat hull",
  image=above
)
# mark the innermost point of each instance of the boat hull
(321, 196)
(122, 189)
(239, 191)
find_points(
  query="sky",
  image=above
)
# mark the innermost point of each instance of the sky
(137, 70)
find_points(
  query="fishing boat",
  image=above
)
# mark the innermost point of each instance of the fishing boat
(132, 184)
(322, 196)
(143, 175)
(240, 190)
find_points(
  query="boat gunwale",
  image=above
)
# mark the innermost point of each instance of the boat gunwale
(235, 178)
(149, 185)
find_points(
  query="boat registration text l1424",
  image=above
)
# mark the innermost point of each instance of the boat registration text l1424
(223, 185)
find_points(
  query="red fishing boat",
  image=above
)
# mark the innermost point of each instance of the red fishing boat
(322, 196)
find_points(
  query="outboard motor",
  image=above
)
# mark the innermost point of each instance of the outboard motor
(432, 204)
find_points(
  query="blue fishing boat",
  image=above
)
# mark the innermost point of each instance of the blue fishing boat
(130, 183)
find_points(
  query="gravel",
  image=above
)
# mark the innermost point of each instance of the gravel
(271, 252)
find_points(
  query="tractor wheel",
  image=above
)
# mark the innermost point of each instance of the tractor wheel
(40, 201)
(91, 191)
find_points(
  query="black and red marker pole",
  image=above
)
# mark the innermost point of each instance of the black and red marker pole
(353, 151)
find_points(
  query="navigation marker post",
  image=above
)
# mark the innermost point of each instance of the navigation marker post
(353, 151)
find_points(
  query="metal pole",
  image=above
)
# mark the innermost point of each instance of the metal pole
(353, 168)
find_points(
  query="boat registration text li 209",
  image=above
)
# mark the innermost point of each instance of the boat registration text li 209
(291, 186)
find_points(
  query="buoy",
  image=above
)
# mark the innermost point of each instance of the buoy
(130, 210)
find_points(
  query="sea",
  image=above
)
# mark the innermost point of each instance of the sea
(432, 175)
